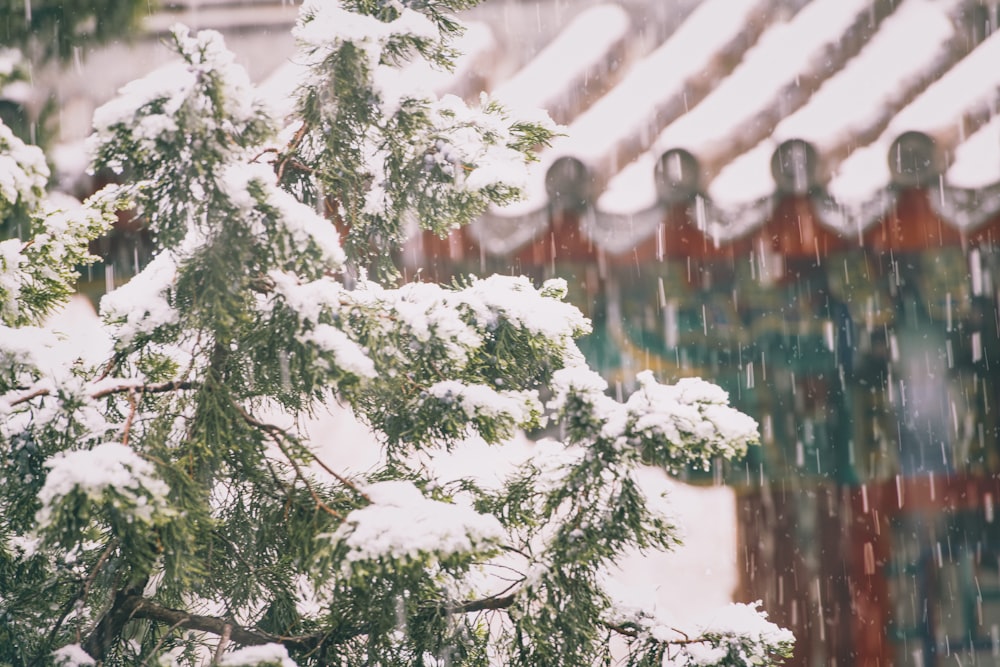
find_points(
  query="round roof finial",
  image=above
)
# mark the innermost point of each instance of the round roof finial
(914, 160)
(677, 175)
(795, 167)
(568, 184)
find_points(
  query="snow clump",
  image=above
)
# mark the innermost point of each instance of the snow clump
(72, 655)
(110, 466)
(401, 524)
(251, 656)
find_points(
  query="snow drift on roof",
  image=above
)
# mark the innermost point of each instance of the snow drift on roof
(977, 160)
(969, 87)
(853, 102)
(647, 90)
(580, 47)
(785, 52)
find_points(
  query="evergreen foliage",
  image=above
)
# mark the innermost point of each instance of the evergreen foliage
(49, 29)
(163, 506)
(15, 78)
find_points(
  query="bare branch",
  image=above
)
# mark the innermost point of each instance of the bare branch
(102, 559)
(155, 388)
(626, 630)
(141, 608)
(109, 627)
(227, 633)
(289, 150)
(129, 605)
(159, 643)
(263, 153)
(492, 603)
(633, 631)
(29, 396)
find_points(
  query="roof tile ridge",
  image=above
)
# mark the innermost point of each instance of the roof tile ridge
(793, 96)
(957, 51)
(694, 89)
(830, 147)
(604, 162)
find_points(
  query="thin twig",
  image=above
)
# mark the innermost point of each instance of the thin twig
(506, 593)
(278, 436)
(292, 145)
(343, 480)
(633, 631)
(295, 164)
(133, 408)
(67, 608)
(107, 370)
(155, 388)
(159, 642)
(519, 575)
(92, 577)
(515, 550)
(298, 473)
(262, 153)
(29, 396)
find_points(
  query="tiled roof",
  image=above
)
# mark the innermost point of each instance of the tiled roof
(844, 105)
(712, 115)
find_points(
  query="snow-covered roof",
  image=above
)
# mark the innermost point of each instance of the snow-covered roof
(722, 109)
(590, 42)
(656, 89)
(744, 103)
(853, 102)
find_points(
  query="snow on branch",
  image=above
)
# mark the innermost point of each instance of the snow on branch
(521, 408)
(205, 84)
(254, 189)
(390, 155)
(23, 174)
(175, 129)
(38, 265)
(692, 419)
(401, 524)
(141, 306)
(110, 468)
(690, 422)
(324, 27)
(738, 635)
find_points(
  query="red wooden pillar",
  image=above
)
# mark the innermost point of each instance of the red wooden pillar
(772, 566)
(867, 552)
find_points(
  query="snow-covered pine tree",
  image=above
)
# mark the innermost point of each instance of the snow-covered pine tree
(164, 506)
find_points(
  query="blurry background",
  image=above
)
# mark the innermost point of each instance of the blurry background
(799, 200)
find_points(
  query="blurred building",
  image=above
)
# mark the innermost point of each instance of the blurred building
(799, 201)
